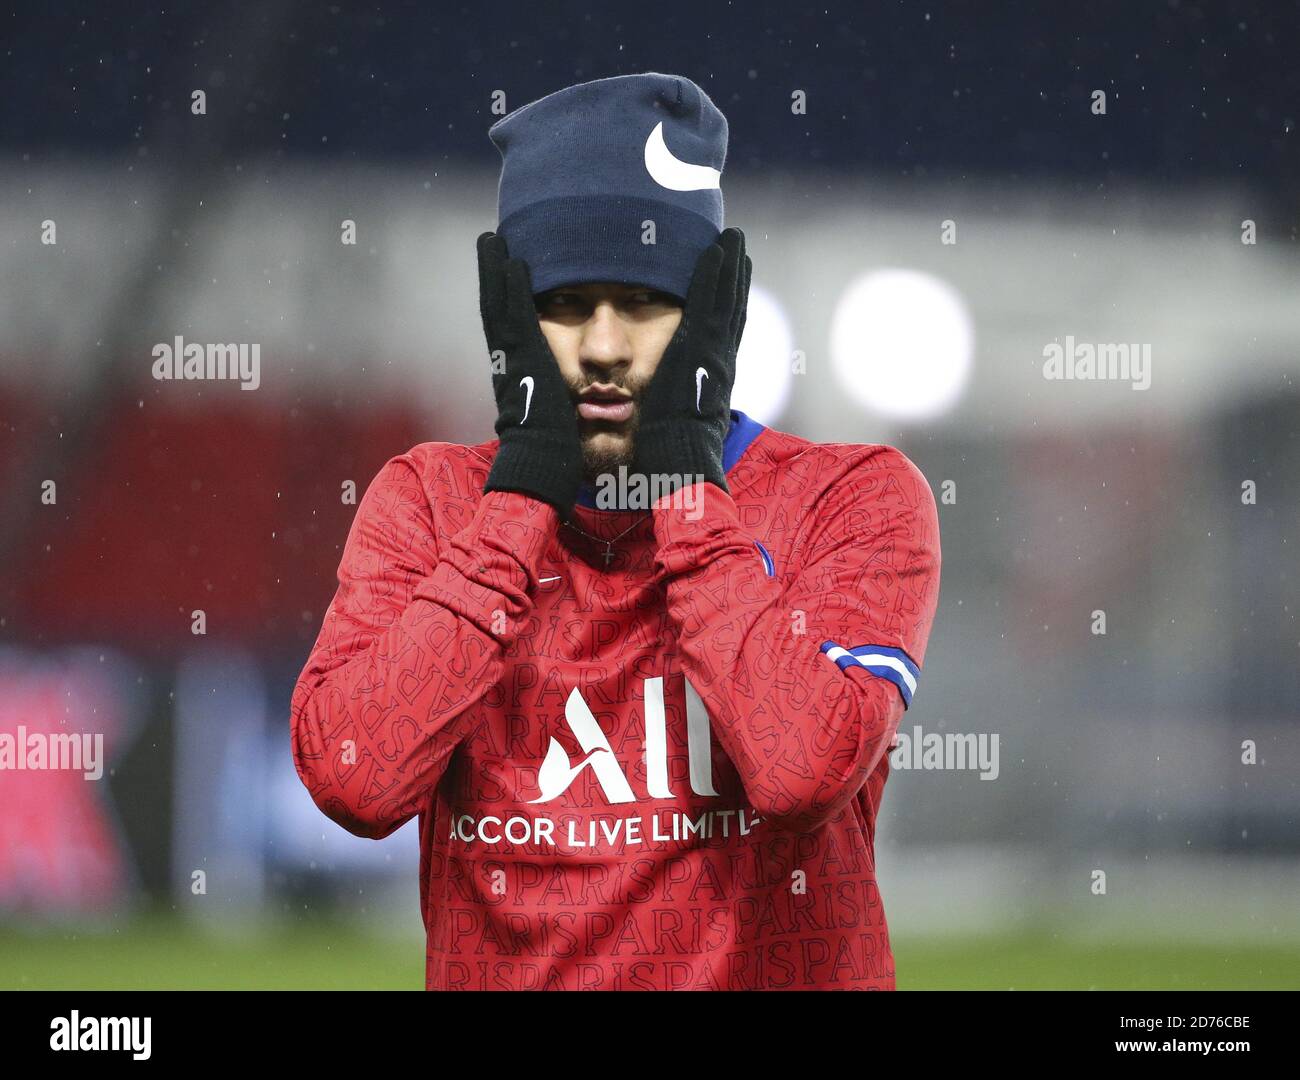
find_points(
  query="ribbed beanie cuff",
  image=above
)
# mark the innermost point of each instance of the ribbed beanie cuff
(586, 238)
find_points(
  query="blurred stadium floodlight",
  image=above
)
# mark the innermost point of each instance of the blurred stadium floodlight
(764, 367)
(901, 343)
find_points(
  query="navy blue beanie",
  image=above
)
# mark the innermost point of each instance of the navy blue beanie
(585, 168)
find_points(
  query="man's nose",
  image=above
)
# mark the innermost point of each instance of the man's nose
(606, 348)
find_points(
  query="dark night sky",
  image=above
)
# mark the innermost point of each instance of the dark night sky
(1196, 91)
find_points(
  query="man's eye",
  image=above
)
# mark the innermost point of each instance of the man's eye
(562, 301)
(551, 300)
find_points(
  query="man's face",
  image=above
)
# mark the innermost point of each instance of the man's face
(608, 340)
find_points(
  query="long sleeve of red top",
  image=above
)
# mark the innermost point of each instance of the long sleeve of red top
(412, 639)
(804, 731)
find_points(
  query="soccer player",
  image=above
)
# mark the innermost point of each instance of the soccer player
(636, 664)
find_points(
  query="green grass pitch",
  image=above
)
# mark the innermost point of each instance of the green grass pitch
(164, 953)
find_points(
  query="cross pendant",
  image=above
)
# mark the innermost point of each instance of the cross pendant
(609, 555)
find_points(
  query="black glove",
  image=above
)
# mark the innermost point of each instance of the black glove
(686, 409)
(541, 451)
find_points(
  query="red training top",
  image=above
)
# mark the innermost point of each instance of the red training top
(656, 770)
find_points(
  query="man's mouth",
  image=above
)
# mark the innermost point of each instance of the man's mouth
(613, 406)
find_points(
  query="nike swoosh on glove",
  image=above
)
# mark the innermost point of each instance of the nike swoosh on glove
(541, 450)
(686, 409)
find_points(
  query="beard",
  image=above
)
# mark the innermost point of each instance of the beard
(601, 456)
